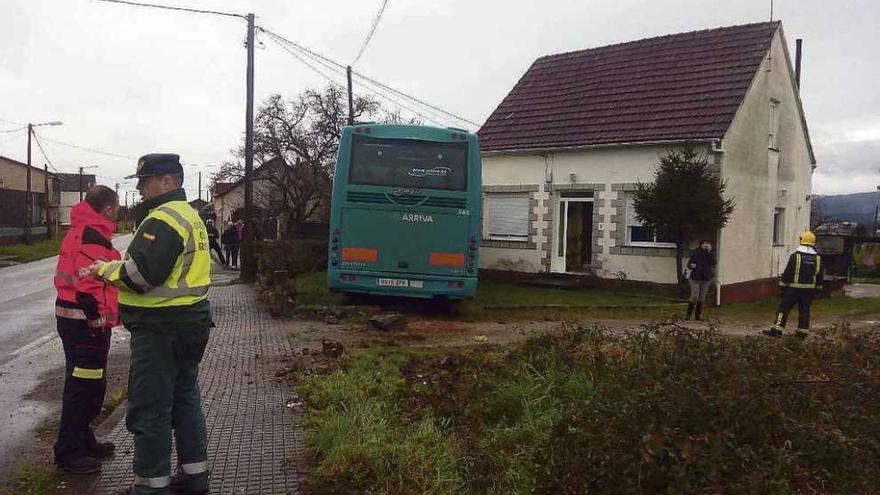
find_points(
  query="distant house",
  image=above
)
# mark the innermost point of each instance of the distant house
(228, 201)
(14, 200)
(563, 152)
(73, 187)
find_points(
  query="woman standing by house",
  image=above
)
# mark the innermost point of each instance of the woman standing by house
(702, 266)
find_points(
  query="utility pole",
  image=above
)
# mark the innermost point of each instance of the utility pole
(248, 260)
(200, 184)
(28, 209)
(46, 202)
(117, 191)
(350, 101)
(81, 186)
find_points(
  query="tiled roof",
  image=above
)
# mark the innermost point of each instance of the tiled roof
(680, 86)
(221, 188)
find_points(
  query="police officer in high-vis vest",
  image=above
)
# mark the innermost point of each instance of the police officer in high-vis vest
(799, 282)
(163, 280)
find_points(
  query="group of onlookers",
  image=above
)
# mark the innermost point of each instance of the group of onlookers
(231, 238)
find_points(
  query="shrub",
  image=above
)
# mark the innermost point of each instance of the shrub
(665, 409)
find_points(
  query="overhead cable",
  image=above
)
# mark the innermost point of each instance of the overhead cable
(335, 83)
(366, 78)
(43, 151)
(14, 130)
(372, 32)
(182, 9)
(91, 150)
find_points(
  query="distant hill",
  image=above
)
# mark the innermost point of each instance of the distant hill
(856, 207)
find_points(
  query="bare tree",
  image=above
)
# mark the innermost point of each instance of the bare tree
(300, 138)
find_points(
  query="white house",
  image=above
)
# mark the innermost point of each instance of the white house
(73, 188)
(567, 146)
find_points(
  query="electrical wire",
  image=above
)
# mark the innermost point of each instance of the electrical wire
(335, 68)
(14, 130)
(182, 9)
(335, 83)
(366, 78)
(372, 31)
(43, 151)
(91, 150)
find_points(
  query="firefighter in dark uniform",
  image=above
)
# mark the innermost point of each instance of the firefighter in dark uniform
(163, 300)
(799, 282)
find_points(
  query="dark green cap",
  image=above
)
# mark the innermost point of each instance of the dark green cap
(158, 164)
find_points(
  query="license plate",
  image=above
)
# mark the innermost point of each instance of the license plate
(400, 282)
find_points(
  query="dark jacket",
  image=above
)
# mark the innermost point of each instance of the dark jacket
(702, 264)
(155, 249)
(213, 234)
(804, 270)
(230, 236)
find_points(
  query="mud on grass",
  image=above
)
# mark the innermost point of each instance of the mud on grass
(663, 409)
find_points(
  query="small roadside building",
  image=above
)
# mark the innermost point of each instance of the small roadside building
(44, 199)
(565, 149)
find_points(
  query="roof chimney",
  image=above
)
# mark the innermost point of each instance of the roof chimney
(797, 61)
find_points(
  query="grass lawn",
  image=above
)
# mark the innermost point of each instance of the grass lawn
(32, 252)
(667, 410)
(504, 301)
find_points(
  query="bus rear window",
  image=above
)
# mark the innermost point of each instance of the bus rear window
(408, 163)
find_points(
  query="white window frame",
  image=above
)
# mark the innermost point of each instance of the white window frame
(493, 200)
(632, 221)
(773, 134)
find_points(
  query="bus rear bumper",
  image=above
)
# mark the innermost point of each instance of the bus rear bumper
(403, 285)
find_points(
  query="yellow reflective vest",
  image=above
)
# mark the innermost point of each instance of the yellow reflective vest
(190, 275)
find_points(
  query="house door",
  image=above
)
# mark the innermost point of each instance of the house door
(573, 239)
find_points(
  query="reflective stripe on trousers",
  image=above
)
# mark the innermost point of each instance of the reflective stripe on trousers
(155, 482)
(70, 313)
(88, 373)
(193, 467)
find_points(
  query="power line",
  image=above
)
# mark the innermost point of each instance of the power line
(91, 150)
(11, 122)
(337, 68)
(372, 31)
(14, 130)
(366, 78)
(337, 71)
(181, 9)
(40, 145)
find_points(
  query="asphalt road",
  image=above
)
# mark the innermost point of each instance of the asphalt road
(30, 353)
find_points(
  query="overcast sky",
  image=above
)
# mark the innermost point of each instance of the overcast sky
(130, 81)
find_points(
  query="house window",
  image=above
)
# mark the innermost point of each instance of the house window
(639, 235)
(778, 226)
(507, 217)
(774, 125)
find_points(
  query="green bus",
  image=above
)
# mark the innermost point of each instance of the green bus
(405, 212)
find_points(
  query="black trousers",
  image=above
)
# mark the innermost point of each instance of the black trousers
(85, 383)
(215, 246)
(803, 298)
(232, 254)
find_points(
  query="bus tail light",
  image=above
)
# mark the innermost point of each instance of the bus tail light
(456, 284)
(360, 254)
(347, 277)
(447, 259)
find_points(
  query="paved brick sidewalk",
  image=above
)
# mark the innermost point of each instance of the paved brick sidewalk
(251, 437)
